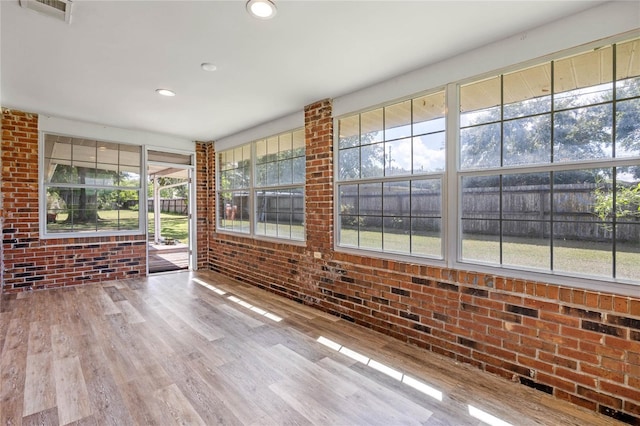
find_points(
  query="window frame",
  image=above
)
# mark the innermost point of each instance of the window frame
(43, 186)
(253, 189)
(435, 175)
(452, 184)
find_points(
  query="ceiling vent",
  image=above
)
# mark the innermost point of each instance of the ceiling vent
(59, 9)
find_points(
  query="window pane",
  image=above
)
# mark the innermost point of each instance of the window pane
(349, 164)
(370, 199)
(628, 128)
(584, 79)
(429, 153)
(349, 131)
(129, 155)
(527, 92)
(583, 133)
(628, 88)
(371, 232)
(628, 251)
(349, 230)
(372, 160)
(481, 198)
(234, 211)
(348, 202)
(426, 238)
(83, 150)
(480, 102)
(526, 244)
(428, 114)
(371, 123)
(299, 164)
(285, 146)
(397, 121)
(261, 151)
(285, 172)
(397, 157)
(426, 198)
(267, 213)
(273, 173)
(526, 197)
(105, 174)
(58, 147)
(480, 146)
(527, 140)
(396, 234)
(396, 199)
(591, 255)
(481, 240)
(298, 143)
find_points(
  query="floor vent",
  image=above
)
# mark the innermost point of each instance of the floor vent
(59, 9)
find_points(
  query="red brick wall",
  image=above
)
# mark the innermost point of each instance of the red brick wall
(34, 263)
(578, 345)
(205, 201)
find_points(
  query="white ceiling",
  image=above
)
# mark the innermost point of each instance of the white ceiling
(105, 66)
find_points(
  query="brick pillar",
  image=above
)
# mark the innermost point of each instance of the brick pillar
(318, 124)
(205, 200)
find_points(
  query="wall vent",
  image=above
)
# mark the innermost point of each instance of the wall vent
(59, 9)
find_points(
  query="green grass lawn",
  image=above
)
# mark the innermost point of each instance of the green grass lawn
(172, 225)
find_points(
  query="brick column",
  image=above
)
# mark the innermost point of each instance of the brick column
(318, 123)
(205, 200)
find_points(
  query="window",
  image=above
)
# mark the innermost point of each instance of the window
(271, 204)
(391, 163)
(90, 186)
(549, 166)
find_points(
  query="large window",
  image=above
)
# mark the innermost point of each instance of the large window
(391, 162)
(261, 187)
(549, 166)
(90, 186)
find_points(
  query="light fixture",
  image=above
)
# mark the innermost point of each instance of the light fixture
(165, 92)
(261, 9)
(208, 66)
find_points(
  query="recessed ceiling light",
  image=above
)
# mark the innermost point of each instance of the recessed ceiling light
(165, 92)
(261, 9)
(207, 66)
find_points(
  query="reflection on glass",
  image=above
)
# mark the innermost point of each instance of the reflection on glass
(480, 102)
(428, 114)
(349, 164)
(397, 121)
(583, 79)
(349, 131)
(261, 151)
(372, 160)
(371, 126)
(527, 92)
(286, 147)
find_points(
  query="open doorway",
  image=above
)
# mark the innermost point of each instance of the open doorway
(169, 211)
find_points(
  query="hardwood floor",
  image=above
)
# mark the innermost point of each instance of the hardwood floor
(198, 348)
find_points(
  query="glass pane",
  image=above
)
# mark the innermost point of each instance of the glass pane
(628, 251)
(371, 123)
(286, 145)
(261, 151)
(481, 240)
(396, 234)
(58, 147)
(349, 164)
(397, 121)
(481, 198)
(348, 202)
(223, 160)
(299, 170)
(129, 176)
(527, 140)
(86, 172)
(59, 173)
(480, 102)
(129, 154)
(349, 225)
(371, 232)
(626, 199)
(370, 199)
(628, 128)
(84, 150)
(297, 224)
(426, 237)
(526, 197)
(285, 172)
(261, 174)
(526, 244)
(429, 153)
(108, 153)
(397, 199)
(272, 148)
(273, 171)
(428, 113)
(397, 157)
(129, 210)
(298, 143)
(426, 198)
(349, 131)
(584, 79)
(372, 160)
(627, 59)
(527, 92)
(234, 212)
(106, 174)
(582, 248)
(583, 133)
(480, 146)
(628, 88)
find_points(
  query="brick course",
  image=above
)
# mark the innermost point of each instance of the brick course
(33, 263)
(578, 345)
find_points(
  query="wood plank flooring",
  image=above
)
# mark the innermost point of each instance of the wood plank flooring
(201, 349)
